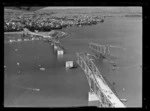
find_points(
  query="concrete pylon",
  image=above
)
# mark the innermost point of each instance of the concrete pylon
(60, 52)
(93, 100)
(55, 47)
(52, 44)
(69, 64)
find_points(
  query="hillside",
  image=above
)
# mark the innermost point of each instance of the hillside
(77, 9)
(92, 9)
(25, 8)
(59, 11)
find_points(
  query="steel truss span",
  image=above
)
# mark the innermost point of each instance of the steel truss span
(101, 51)
(97, 84)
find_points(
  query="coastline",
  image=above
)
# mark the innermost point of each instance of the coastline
(16, 32)
(42, 33)
(21, 32)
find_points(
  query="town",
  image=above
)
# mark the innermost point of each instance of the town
(47, 22)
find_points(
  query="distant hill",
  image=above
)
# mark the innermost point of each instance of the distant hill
(12, 11)
(92, 9)
(75, 10)
(25, 8)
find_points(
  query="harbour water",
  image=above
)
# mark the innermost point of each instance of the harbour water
(27, 85)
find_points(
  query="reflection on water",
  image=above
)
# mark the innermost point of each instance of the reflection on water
(27, 85)
(60, 57)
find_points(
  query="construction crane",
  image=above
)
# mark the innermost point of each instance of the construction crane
(97, 84)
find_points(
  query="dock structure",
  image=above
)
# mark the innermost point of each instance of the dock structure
(98, 87)
(101, 51)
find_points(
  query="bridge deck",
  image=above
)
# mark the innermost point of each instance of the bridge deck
(110, 95)
(86, 64)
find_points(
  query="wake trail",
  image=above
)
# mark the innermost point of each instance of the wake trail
(116, 46)
(131, 66)
(34, 89)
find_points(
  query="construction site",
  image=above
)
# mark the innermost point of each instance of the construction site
(75, 67)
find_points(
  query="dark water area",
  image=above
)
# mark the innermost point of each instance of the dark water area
(60, 87)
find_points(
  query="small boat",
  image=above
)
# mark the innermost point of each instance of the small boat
(123, 100)
(19, 40)
(79, 25)
(26, 39)
(11, 40)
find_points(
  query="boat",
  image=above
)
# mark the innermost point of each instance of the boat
(102, 20)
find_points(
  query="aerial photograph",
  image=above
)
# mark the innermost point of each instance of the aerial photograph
(73, 56)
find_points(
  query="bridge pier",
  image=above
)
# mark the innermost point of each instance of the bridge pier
(69, 64)
(93, 100)
(60, 52)
(52, 44)
(55, 47)
(100, 94)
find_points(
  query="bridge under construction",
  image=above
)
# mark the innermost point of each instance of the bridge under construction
(99, 89)
(54, 41)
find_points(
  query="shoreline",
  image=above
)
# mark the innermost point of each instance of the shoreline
(21, 32)
(16, 32)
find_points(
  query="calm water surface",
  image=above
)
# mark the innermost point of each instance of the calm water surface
(60, 87)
